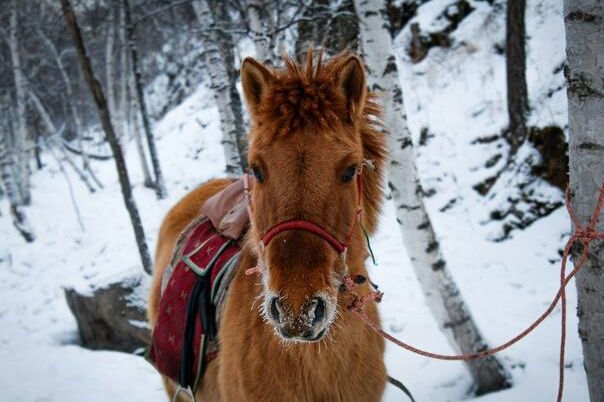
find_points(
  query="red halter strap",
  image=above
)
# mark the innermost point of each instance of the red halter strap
(300, 224)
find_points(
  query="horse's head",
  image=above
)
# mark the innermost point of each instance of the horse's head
(311, 132)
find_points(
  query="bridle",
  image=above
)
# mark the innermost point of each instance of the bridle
(301, 224)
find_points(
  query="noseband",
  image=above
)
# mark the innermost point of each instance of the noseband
(300, 224)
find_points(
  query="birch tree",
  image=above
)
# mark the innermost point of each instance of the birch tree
(160, 186)
(105, 117)
(128, 110)
(125, 79)
(110, 62)
(226, 47)
(52, 134)
(584, 21)
(135, 129)
(71, 99)
(259, 30)
(219, 83)
(22, 142)
(7, 176)
(440, 290)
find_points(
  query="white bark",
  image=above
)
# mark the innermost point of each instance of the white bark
(74, 112)
(260, 35)
(125, 90)
(442, 294)
(226, 46)
(52, 134)
(138, 139)
(23, 144)
(129, 107)
(219, 83)
(12, 191)
(159, 183)
(110, 65)
(584, 20)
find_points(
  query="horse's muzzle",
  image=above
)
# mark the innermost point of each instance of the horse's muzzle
(309, 325)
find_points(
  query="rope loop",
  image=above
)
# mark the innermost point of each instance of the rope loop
(584, 235)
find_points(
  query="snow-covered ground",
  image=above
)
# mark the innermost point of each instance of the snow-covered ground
(459, 95)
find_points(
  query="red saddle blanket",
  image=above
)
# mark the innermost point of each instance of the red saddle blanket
(193, 289)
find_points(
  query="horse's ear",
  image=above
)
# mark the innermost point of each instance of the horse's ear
(254, 80)
(351, 84)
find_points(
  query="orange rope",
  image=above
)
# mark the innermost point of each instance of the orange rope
(585, 235)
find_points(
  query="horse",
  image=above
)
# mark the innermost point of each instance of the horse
(286, 334)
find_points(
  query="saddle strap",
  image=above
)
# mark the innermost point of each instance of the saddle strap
(198, 305)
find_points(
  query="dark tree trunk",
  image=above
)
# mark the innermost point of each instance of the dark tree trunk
(160, 186)
(344, 31)
(104, 116)
(311, 30)
(517, 95)
(333, 30)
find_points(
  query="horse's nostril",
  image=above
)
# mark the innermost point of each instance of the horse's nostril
(319, 310)
(274, 310)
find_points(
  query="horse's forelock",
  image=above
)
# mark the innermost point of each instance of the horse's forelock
(303, 96)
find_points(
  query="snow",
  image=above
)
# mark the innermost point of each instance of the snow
(459, 95)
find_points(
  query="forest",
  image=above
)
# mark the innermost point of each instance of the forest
(112, 110)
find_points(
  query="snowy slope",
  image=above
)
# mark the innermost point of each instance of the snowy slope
(458, 94)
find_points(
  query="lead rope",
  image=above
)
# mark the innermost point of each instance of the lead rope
(584, 235)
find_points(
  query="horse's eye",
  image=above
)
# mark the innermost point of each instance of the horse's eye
(257, 174)
(349, 173)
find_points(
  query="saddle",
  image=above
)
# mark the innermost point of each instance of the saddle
(194, 288)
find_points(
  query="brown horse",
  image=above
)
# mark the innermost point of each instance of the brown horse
(286, 334)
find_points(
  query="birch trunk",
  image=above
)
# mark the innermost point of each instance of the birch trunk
(160, 186)
(110, 63)
(441, 293)
(260, 35)
(13, 194)
(584, 20)
(23, 144)
(125, 88)
(140, 145)
(129, 110)
(52, 133)
(105, 117)
(227, 45)
(219, 83)
(74, 112)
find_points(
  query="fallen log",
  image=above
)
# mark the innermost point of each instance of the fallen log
(111, 317)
